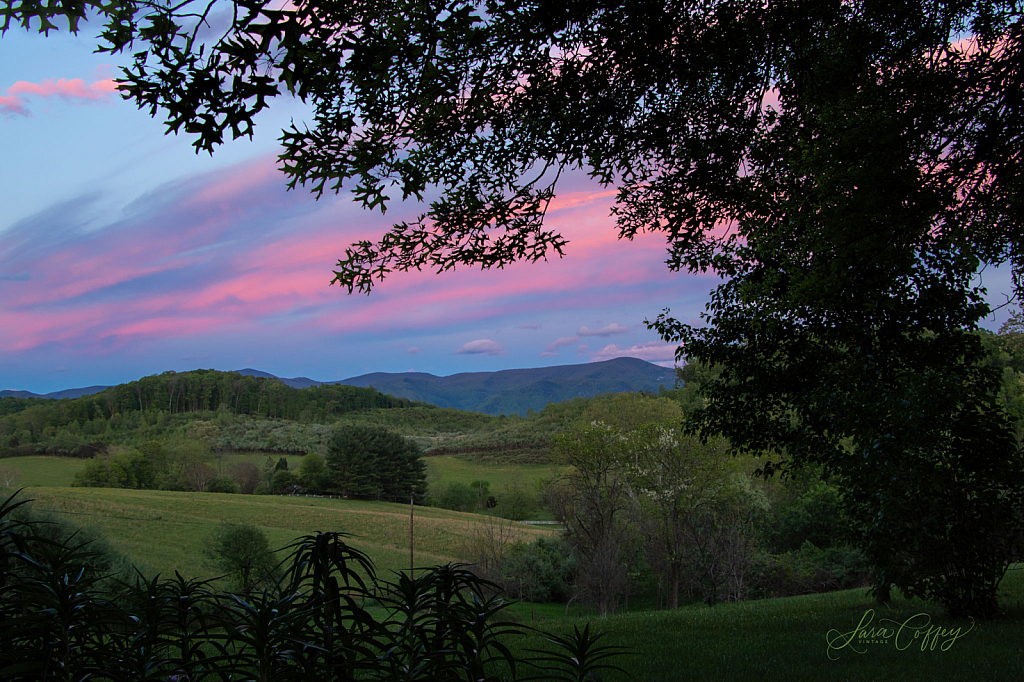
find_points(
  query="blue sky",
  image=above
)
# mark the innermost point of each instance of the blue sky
(123, 253)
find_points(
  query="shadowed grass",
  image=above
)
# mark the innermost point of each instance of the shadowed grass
(785, 639)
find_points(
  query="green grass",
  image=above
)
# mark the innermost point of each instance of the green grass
(43, 471)
(446, 469)
(781, 639)
(166, 531)
(785, 639)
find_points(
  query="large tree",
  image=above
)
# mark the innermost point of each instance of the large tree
(372, 461)
(847, 166)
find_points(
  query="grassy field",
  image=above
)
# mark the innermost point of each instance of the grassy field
(788, 639)
(445, 469)
(166, 531)
(785, 639)
(43, 471)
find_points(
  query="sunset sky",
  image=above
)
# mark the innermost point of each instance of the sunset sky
(123, 253)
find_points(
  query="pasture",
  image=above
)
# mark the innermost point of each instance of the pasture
(164, 531)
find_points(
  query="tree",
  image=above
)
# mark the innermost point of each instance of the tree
(243, 553)
(695, 507)
(593, 501)
(312, 471)
(373, 461)
(847, 167)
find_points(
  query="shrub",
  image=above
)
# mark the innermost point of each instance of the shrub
(243, 554)
(542, 571)
(283, 481)
(806, 571)
(312, 471)
(247, 475)
(222, 484)
(516, 504)
(457, 497)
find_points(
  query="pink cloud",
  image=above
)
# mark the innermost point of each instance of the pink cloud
(75, 90)
(231, 251)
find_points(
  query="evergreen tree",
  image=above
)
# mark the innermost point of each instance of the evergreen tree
(370, 460)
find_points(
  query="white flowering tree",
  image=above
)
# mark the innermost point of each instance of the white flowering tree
(695, 505)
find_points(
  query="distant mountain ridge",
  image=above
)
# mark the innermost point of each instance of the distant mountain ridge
(514, 391)
(56, 395)
(508, 391)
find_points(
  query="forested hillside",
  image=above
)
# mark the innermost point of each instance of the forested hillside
(250, 413)
(162, 404)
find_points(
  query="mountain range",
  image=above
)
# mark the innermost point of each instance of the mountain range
(510, 391)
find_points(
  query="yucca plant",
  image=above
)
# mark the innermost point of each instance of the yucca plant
(335, 581)
(54, 623)
(576, 658)
(444, 625)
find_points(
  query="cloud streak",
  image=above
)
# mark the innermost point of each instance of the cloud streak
(481, 347)
(14, 101)
(607, 330)
(228, 258)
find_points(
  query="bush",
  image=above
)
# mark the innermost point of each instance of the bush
(243, 554)
(283, 482)
(807, 570)
(312, 472)
(247, 475)
(516, 504)
(457, 497)
(542, 571)
(222, 484)
(121, 468)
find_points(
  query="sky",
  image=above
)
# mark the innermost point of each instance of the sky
(124, 254)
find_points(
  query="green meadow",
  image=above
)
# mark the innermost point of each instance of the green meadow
(444, 469)
(164, 531)
(43, 471)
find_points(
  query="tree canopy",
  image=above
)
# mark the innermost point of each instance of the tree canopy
(847, 167)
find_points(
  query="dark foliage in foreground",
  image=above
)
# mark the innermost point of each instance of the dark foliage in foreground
(328, 618)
